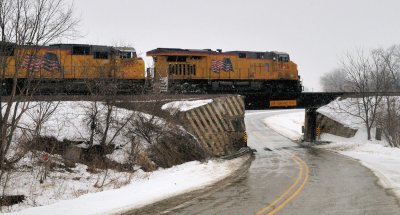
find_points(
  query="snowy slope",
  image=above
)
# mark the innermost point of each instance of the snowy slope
(72, 190)
(289, 125)
(145, 188)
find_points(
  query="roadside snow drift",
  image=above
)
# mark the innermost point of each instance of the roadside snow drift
(287, 124)
(145, 188)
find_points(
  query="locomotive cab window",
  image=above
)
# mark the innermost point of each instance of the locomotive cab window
(124, 52)
(283, 58)
(100, 55)
(126, 55)
(81, 50)
(242, 55)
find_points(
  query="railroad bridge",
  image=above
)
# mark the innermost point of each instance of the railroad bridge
(311, 101)
(208, 119)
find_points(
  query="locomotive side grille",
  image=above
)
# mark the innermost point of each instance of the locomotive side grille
(182, 69)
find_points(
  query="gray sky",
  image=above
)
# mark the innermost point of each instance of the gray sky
(316, 33)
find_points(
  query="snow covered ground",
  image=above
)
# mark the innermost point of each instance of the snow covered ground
(71, 190)
(145, 188)
(382, 160)
(287, 124)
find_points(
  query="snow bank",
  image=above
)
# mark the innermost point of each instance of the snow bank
(145, 188)
(287, 124)
(176, 106)
(382, 160)
(343, 111)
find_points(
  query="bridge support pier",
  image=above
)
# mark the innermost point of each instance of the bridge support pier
(310, 124)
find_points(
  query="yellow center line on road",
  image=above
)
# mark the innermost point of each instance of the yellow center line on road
(300, 175)
(302, 165)
(297, 191)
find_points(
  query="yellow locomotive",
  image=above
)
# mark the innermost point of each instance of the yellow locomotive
(71, 67)
(204, 70)
(76, 68)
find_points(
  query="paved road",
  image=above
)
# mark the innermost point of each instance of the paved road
(287, 179)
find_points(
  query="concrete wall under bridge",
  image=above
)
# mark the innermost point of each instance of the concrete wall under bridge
(219, 125)
(330, 126)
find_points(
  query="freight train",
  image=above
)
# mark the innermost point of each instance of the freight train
(71, 68)
(74, 68)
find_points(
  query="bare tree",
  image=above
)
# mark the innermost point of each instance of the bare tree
(92, 113)
(391, 59)
(40, 114)
(377, 72)
(365, 73)
(389, 118)
(28, 23)
(103, 120)
(148, 127)
(335, 81)
(105, 126)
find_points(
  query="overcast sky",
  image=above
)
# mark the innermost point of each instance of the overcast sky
(316, 33)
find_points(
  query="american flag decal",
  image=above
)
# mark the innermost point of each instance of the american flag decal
(218, 65)
(48, 62)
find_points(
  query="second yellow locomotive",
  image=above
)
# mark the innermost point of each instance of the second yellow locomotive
(205, 70)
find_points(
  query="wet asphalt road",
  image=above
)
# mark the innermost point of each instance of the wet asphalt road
(287, 179)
